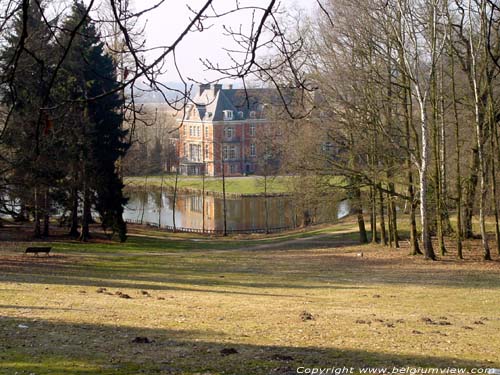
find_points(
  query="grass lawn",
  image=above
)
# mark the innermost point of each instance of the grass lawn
(246, 306)
(235, 185)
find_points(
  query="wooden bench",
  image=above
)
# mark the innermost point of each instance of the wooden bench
(37, 249)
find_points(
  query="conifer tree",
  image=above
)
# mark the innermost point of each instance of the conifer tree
(26, 65)
(89, 72)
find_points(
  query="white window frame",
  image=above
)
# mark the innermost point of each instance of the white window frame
(228, 132)
(253, 150)
(232, 152)
(228, 115)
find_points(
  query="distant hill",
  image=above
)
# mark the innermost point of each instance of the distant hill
(144, 95)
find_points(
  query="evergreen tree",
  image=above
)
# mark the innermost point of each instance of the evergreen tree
(90, 72)
(26, 67)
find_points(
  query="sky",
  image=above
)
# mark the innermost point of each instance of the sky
(166, 23)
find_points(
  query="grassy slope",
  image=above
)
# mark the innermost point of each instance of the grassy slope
(240, 185)
(210, 295)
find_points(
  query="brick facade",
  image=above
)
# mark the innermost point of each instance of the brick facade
(221, 125)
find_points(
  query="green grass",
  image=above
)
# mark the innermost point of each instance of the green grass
(235, 185)
(247, 294)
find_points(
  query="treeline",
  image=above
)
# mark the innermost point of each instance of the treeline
(408, 115)
(153, 149)
(59, 151)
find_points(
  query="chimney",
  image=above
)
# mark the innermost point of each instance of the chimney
(204, 87)
(230, 86)
(217, 88)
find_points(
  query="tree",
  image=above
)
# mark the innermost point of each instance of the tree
(25, 78)
(91, 72)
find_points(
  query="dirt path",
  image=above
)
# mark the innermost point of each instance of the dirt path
(337, 239)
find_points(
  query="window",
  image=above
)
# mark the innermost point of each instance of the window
(253, 150)
(252, 130)
(229, 152)
(206, 131)
(185, 151)
(240, 115)
(232, 168)
(198, 131)
(228, 115)
(252, 114)
(191, 132)
(191, 152)
(195, 151)
(228, 132)
(206, 151)
(232, 152)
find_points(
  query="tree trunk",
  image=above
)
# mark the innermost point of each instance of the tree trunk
(86, 216)
(408, 108)
(437, 165)
(383, 234)
(224, 208)
(470, 195)
(424, 181)
(494, 200)
(458, 182)
(358, 210)
(85, 231)
(37, 229)
(174, 199)
(480, 137)
(495, 151)
(394, 216)
(46, 214)
(146, 198)
(73, 231)
(373, 216)
(265, 204)
(390, 221)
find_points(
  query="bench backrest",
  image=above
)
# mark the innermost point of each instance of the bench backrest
(38, 249)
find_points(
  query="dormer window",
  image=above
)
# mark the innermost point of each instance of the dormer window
(228, 115)
(253, 114)
(241, 115)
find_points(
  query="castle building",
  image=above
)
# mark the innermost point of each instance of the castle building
(221, 128)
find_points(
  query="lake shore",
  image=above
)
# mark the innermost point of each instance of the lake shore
(250, 186)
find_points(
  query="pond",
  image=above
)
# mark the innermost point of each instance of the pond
(243, 213)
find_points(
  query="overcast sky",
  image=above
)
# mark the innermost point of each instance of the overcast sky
(166, 23)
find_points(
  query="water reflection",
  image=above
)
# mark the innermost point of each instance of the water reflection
(243, 213)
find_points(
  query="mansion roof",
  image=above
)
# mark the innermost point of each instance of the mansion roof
(216, 103)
